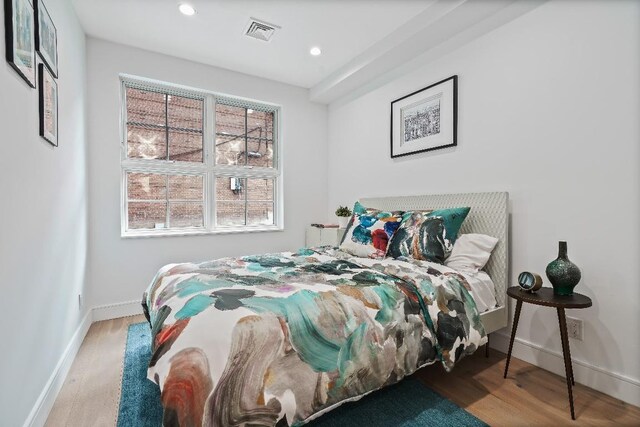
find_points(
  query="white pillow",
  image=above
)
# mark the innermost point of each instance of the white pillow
(471, 252)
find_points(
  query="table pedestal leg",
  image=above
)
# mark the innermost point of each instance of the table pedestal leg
(566, 352)
(514, 328)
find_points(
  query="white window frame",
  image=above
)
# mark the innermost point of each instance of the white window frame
(208, 169)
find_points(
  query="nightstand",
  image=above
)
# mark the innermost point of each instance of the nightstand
(323, 236)
(546, 297)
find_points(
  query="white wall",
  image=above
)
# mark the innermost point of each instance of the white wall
(548, 110)
(44, 216)
(121, 269)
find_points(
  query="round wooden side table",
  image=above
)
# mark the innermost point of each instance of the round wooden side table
(546, 297)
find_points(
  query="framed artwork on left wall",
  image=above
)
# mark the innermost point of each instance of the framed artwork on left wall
(19, 38)
(46, 37)
(48, 91)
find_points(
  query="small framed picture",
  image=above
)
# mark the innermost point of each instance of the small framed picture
(425, 120)
(19, 38)
(48, 105)
(46, 38)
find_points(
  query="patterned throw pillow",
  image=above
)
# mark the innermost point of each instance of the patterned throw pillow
(427, 235)
(369, 231)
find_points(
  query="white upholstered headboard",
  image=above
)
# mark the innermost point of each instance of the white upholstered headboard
(488, 215)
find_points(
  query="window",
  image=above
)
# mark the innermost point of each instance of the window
(197, 162)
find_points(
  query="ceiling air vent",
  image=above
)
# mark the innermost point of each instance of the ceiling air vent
(260, 30)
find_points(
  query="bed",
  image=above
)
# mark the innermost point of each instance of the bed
(280, 339)
(489, 215)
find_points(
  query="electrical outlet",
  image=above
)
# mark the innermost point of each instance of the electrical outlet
(79, 300)
(574, 328)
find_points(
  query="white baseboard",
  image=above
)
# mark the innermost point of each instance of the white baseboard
(41, 409)
(614, 384)
(114, 311)
(47, 398)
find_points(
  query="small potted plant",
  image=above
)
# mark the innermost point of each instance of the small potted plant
(344, 214)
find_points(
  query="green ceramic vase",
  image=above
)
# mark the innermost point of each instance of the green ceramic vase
(562, 273)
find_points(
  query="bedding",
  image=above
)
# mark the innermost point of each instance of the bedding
(282, 338)
(427, 234)
(471, 251)
(369, 231)
(483, 290)
(477, 282)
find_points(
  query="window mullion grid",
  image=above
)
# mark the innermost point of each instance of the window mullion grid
(164, 169)
(124, 146)
(278, 208)
(208, 170)
(209, 132)
(241, 171)
(246, 198)
(166, 124)
(246, 140)
(168, 208)
(124, 204)
(246, 162)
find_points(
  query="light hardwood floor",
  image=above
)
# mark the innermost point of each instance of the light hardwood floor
(91, 392)
(530, 396)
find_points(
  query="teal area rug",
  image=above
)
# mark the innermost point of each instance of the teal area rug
(407, 404)
(139, 398)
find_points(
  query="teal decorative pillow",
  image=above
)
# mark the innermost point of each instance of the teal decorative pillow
(427, 235)
(369, 231)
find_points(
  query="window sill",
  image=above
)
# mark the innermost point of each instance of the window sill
(198, 232)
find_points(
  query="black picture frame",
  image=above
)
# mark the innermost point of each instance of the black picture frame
(447, 107)
(46, 37)
(13, 35)
(45, 78)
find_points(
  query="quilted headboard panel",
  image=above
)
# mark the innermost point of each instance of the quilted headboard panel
(488, 215)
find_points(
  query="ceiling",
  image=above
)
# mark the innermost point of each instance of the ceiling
(215, 34)
(365, 43)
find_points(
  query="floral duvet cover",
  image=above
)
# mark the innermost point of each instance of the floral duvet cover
(282, 338)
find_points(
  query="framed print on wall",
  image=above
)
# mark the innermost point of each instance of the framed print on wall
(19, 38)
(48, 105)
(46, 37)
(425, 120)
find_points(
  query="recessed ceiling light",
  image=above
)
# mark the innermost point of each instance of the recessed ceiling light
(315, 51)
(186, 9)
